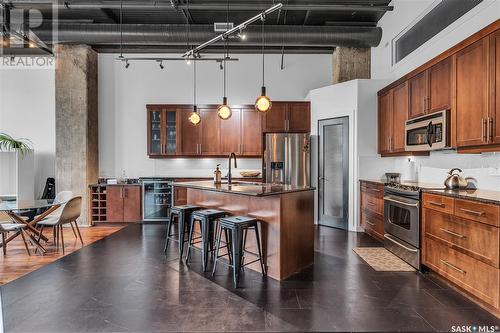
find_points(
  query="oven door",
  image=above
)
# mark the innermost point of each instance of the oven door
(402, 218)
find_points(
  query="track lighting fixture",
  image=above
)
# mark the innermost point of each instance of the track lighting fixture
(242, 35)
(127, 64)
(161, 65)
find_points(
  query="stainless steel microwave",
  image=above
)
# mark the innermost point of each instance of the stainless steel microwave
(429, 132)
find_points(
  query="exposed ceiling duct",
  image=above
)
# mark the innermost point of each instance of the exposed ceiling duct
(175, 35)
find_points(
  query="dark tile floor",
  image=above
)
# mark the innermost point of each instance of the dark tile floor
(125, 283)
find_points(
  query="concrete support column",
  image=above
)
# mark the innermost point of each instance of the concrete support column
(76, 121)
(350, 63)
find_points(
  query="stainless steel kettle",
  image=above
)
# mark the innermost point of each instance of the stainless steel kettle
(455, 181)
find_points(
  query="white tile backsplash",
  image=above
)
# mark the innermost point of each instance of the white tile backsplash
(482, 169)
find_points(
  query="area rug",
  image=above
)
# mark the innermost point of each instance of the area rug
(382, 260)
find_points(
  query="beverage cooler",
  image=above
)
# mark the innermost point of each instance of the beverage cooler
(156, 199)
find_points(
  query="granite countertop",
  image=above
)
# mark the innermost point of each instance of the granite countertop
(486, 196)
(245, 188)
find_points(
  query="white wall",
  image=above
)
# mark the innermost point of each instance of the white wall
(407, 11)
(355, 99)
(484, 167)
(27, 110)
(123, 94)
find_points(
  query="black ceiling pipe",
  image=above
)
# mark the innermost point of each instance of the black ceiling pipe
(175, 34)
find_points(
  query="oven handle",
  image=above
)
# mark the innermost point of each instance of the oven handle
(386, 236)
(401, 202)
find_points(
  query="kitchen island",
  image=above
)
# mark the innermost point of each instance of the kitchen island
(286, 213)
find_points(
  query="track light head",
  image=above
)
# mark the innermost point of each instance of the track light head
(242, 35)
(188, 60)
(127, 64)
(161, 64)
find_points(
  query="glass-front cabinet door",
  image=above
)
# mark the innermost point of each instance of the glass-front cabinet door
(162, 131)
(155, 146)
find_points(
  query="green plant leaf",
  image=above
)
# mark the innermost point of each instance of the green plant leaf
(22, 145)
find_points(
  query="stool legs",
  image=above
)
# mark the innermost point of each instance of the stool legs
(169, 227)
(190, 238)
(236, 245)
(181, 224)
(257, 236)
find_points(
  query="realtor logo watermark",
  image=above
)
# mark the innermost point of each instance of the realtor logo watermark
(475, 328)
(28, 35)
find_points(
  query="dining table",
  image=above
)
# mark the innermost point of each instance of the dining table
(14, 209)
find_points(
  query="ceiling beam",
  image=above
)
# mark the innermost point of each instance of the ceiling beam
(214, 6)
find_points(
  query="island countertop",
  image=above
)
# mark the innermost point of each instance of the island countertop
(245, 188)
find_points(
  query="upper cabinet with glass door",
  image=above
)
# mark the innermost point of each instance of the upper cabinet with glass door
(163, 134)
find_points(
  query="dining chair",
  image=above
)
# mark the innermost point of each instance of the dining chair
(63, 196)
(6, 226)
(71, 211)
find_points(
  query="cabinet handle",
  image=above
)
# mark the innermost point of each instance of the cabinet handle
(423, 104)
(452, 233)
(126, 192)
(370, 223)
(453, 266)
(121, 192)
(200, 149)
(491, 129)
(473, 212)
(484, 129)
(439, 204)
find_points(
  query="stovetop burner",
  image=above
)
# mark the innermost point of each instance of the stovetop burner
(404, 187)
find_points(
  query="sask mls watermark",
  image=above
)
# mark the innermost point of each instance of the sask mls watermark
(28, 33)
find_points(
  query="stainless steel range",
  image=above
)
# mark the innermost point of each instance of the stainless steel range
(402, 221)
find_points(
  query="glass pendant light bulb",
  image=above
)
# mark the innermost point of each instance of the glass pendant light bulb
(194, 117)
(224, 111)
(263, 103)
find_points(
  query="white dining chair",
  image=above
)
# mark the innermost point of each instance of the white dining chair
(6, 226)
(70, 213)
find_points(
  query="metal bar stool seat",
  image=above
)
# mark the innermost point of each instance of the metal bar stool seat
(182, 215)
(206, 218)
(239, 226)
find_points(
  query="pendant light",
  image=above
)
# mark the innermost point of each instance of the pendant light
(263, 103)
(224, 111)
(194, 116)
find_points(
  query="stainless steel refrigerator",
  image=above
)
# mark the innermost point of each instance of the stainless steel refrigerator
(287, 158)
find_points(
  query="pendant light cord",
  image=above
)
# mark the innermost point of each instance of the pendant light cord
(188, 27)
(226, 47)
(194, 84)
(263, 57)
(121, 29)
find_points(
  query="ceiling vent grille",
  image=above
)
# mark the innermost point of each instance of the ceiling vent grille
(223, 27)
(444, 13)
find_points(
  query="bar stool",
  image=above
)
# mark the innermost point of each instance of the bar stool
(238, 226)
(182, 214)
(206, 218)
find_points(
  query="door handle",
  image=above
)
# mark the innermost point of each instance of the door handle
(386, 236)
(491, 129)
(484, 129)
(401, 202)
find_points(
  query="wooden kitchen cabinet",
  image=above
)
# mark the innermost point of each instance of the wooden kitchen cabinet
(471, 66)
(293, 117)
(251, 132)
(163, 132)
(230, 133)
(399, 117)
(430, 90)
(385, 122)
(190, 136)
(494, 114)
(123, 203)
(372, 208)
(299, 117)
(210, 141)
(460, 241)
(439, 92)
(418, 88)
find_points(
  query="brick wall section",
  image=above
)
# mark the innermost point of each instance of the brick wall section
(350, 63)
(76, 121)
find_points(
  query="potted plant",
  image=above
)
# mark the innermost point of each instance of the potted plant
(8, 143)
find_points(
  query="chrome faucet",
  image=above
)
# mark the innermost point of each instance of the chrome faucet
(229, 176)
